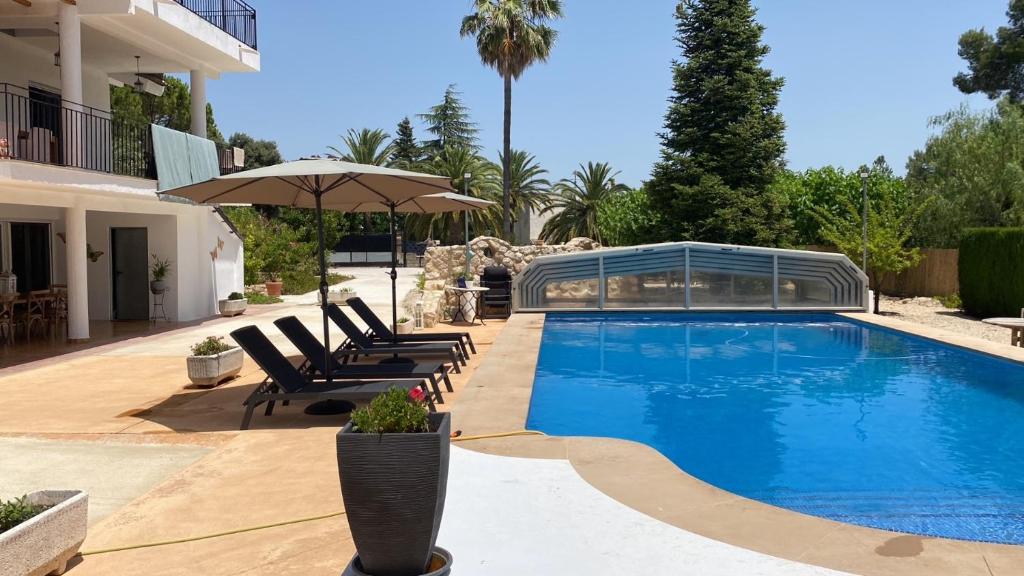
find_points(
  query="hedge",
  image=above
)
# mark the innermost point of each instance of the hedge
(991, 267)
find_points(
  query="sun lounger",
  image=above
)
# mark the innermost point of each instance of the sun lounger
(313, 350)
(285, 382)
(359, 344)
(379, 331)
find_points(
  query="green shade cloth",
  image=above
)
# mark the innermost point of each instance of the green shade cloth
(182, 159)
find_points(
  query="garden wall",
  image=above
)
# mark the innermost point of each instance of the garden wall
(935, 275)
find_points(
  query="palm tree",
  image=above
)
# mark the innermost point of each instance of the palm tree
(528, 189)
(448, 226)
(510, 36)
(365, 147)
(576, 202)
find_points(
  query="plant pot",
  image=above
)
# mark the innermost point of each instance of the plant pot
(158, 286)
(406, 327)
(336, 297)
(394, 487)
(440, 565)
(44, 543)
(230, 308)
(212, 370)
(273, 288)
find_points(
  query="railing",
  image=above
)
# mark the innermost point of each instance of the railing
(40, 127)
(232, 16)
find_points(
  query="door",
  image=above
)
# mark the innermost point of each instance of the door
(129, 248)
(30, 255)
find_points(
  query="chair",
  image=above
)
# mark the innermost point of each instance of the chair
(7, 322)
(379, 331)
(35, 311)
(285, 383)
(58, 308)
(313, 351)
(499, 295)
(359, 344)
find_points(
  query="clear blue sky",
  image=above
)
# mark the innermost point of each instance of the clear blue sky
(862, 78)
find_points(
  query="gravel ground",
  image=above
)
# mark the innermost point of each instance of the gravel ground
(928, 311)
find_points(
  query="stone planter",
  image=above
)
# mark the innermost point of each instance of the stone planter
(273, 288)
(394, 487)
(406, 327)
(158, 286)
(212, 370)
(44, 544)
(337, 297)
(230, 308)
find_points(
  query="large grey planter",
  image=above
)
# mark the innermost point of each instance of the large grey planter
(44, 544)
(229, 308)
(394, 486)
(216, 368)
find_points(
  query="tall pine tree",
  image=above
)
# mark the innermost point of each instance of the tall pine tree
(723, 142)
(450, 124)
(405, 152)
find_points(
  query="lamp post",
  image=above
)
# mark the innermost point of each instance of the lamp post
(465, 219)
(864, 199)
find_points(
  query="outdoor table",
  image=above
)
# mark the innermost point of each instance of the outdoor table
(1016, 326)
(469, 299)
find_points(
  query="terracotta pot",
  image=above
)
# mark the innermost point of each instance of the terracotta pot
(394, 487)
(273, 288)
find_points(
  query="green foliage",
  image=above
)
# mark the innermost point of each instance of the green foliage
(421, 281)
(394, 411)
(236, 296)
(484, 183)
(627, 218)
(365, 146)
(450, 124)
(261, 298)
(723, 143)
(951, 301)
(995, 62)
(808, 193)
(172, 109)
(271, 246)
(991, 267)
(210, 345)
(529, 188)
(577, 201)
(405, 152)
(890, 225)
(16, 511)
(974, 171)
(160, 267)
(299, 282)
(258, 153)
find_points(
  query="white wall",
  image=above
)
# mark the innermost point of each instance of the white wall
(22, 64)
(199, 234)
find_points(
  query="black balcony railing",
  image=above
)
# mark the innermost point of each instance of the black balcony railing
(232, 16)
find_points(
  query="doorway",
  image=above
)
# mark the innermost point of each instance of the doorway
(30, 255)
(129, 250)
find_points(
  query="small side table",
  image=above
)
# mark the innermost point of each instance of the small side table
(469, 303)
(1016, 326)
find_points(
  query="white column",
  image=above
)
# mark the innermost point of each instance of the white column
(78, 275)
(197, 84)
(71, 86)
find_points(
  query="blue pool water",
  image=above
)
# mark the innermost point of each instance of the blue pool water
(814, 413)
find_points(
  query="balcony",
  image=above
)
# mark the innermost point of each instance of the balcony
(234, 17)
(37, 126)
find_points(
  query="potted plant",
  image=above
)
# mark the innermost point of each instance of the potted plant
(339, 296)
(405, 325)
(40, 532)
(393, 464)
(212, 361)
(160, 268)
(233, 305)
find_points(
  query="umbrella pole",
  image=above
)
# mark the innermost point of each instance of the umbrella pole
(469, 258)
(323, 285)
(394, 279)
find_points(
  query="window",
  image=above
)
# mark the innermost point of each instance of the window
(26, 249)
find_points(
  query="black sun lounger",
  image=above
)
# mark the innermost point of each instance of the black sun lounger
(285, 382)
(359, 344)
(313, 350)
(380, 333)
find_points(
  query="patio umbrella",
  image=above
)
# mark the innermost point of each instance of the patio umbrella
(320, 184)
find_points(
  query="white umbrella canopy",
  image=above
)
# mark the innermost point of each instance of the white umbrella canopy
(429, 204)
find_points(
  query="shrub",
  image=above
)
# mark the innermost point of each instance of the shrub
(951, 301)
(301, 282)
(210, 345)
(261, 298)
(992, 271)
(16, 511)
(395, 411)
(236, 296)
(403, 319)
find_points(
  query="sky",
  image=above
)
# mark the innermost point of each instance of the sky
(863, 77)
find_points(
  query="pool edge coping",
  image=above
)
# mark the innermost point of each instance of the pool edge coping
(640, 477)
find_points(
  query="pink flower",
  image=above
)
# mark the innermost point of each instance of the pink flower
(417, 395)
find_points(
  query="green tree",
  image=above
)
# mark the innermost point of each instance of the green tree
(890, 226)
(365, 146)
(511, 35)
(171, 109)
(484, 183)
(723, 142)
(450, 124)
(576, 203)
(529, 189)
(405, 152)
(994, 62)
(972, 173)
(627, 218)
(258, 153)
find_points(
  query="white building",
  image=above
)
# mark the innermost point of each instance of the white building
(78, 191)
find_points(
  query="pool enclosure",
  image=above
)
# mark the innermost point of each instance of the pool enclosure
(691, 276)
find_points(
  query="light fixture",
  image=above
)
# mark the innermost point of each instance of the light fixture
(56, 55)
(139, 86)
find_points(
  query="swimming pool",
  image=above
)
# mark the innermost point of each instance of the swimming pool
(810, 412)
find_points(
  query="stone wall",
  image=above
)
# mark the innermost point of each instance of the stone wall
(442, 263)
